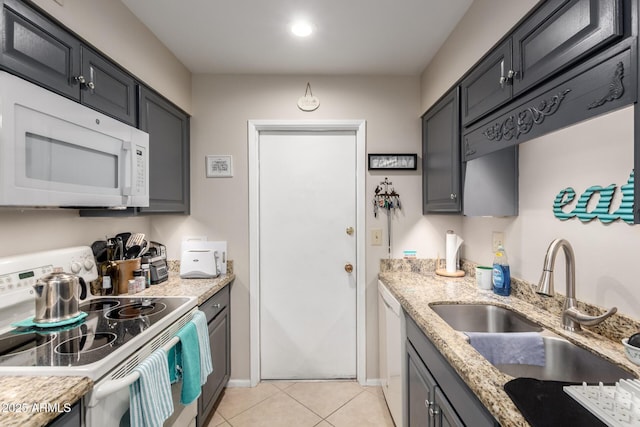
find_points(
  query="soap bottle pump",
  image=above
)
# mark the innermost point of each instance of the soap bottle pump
(501, 273)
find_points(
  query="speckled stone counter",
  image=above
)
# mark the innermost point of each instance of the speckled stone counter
(203, 289)
(416, 287)
(36, 401)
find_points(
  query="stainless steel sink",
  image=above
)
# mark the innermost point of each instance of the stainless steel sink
(484, 318)
(564, 361)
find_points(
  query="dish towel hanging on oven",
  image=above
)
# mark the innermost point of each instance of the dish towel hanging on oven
(190, 358)
(150, 399)
(206, 366)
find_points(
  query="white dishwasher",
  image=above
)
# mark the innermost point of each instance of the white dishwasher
(391, 346)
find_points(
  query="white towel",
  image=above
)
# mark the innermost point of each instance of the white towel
(509, 347)
(206, 367)
(150, 399)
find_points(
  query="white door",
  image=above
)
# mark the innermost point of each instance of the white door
(307, 202)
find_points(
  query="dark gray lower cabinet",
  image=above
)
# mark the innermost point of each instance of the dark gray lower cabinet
(428, 406)
(436, 395)
(217, 311)
(69, 419)
(441, 156)
(168, 129)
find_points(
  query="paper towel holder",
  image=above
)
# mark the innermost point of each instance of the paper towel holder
(453, 244)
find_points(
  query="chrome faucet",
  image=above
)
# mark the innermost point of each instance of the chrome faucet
(572, 318)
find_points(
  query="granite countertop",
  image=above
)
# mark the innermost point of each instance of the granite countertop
(18, 394)
(416, 291)
(36, 401)
(203, 289)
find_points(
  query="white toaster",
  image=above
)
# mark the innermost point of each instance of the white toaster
(199, 264)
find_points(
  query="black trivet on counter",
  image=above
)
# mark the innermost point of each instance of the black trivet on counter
(545, 404)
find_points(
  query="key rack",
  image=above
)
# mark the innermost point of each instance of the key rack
(388, 199)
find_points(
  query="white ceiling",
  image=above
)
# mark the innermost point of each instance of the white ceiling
(372, 37)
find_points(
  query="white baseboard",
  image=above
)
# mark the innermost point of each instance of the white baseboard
(238, 383)
(373, 382)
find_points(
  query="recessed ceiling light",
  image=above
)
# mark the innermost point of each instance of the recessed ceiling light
(301, 29)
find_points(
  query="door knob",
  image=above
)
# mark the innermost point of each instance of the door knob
(350, 231)
(348, 268)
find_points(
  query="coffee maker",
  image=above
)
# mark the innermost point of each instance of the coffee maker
(156, 257)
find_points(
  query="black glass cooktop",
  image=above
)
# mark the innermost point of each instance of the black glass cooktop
(110, 324)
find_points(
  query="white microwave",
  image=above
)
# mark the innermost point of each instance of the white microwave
(55, 152)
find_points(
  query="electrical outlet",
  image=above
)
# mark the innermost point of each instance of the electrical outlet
(376, 237)
(497, 239)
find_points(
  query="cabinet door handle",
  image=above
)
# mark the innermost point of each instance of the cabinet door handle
(216, 306)
(83, 81)
(453, 196)
(434, 411)
(508, 79)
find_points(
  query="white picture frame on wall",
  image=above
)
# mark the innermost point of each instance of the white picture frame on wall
(219, 166)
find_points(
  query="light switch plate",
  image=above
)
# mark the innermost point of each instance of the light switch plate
(376, 237)
(497, 239)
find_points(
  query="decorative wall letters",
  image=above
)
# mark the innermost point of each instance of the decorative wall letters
(601, 211)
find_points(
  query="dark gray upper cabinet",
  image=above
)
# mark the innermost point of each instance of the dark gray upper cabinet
(560, 33)
(600, 84)
(553, 38)
(487, 86)
(168, 129)
(107, 88)
(40, 50)
(441, 156)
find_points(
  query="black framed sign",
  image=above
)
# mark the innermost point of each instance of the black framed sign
(393, 161)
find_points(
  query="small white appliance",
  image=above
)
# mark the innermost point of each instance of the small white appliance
(199, 264)
(55, 152)
(204, 251)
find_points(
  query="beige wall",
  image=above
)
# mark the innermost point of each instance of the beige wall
(596, 152)
(116, 32)
(222, 105)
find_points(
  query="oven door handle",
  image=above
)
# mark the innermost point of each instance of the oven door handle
(105, 389)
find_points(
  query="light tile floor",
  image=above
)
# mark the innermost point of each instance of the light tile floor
(300, 404)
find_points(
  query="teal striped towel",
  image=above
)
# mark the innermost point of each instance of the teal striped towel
(206, 366)
(150, 399)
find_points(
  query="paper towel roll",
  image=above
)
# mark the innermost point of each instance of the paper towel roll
(453, 243)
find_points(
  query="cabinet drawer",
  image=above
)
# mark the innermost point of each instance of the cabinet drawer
(215, 304)
(559, 33)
